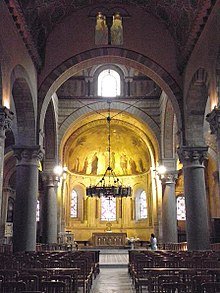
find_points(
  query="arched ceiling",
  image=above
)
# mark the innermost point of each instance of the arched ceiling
(88, 151)
(85, 148)
(35, 19)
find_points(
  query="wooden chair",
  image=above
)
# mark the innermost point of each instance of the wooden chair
(173, 288)
(31, 281)
(53, 287)
(198, 280)
(65, 279)
(13, 287)
(167, 279)
(9, 275)
(210, 287)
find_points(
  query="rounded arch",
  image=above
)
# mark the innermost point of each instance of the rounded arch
(196, 101)
(102, 106)
(25, 112)
(109, 55)
(1, 89)
(50, 134)
(167, 129)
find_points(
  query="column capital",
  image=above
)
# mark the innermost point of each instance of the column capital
(169, 177)
(50, 179)
(190, 154)
(214, 120)
(6, 117)
(28, 155)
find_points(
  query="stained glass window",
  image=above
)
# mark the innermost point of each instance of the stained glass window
(143, 205)
(74, 205)
(109, 83)
(181, 208)
(38, 211)
(108, 209)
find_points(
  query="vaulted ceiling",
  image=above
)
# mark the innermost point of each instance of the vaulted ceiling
(35, 19)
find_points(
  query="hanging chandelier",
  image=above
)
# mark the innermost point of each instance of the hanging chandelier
(110, 185)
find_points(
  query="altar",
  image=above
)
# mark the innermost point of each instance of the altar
(109, 239)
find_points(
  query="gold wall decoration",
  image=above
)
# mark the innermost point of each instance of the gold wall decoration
(88, 154)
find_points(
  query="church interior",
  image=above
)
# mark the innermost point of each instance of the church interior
(109, 127)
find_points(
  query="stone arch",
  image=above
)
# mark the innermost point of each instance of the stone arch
(109, 55)
(196, 100)
(1, 94)
(50, 134)
(120, 106)
(23, 99)
(168, 129)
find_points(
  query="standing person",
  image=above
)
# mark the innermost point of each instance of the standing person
(153, 242)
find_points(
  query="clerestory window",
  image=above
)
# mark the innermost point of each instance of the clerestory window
(109, 83)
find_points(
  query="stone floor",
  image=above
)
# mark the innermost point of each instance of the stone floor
(113, 277)
(113, 280)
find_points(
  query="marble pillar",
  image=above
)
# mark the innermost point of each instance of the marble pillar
(24, 227)
(214, 121)
(49, 205)
(6, 117)
(197, 228)
(169, 213)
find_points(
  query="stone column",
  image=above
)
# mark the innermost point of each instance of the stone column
(214, 121)
(6, 117)
(197, 228)
(169, 214)
(24, 227)
(49, 206)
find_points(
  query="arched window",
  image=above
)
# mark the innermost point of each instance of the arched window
(141, 206)
(181, 208)
(10, 212)
(108, 209)
(38, 211)
(74, 204)
(109, 83)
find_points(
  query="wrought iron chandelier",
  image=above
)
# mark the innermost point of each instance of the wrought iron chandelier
(110, 185)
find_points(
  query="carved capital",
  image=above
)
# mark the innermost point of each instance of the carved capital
(28, 155)
(169, 178)
(214, 120)
(49, 178)
(195, 155)
(6, 117)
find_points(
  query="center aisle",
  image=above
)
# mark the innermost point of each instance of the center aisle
(113, 277)
(112, 280)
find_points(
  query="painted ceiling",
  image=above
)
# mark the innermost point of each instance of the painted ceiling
(35, 19)
(87, 152)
